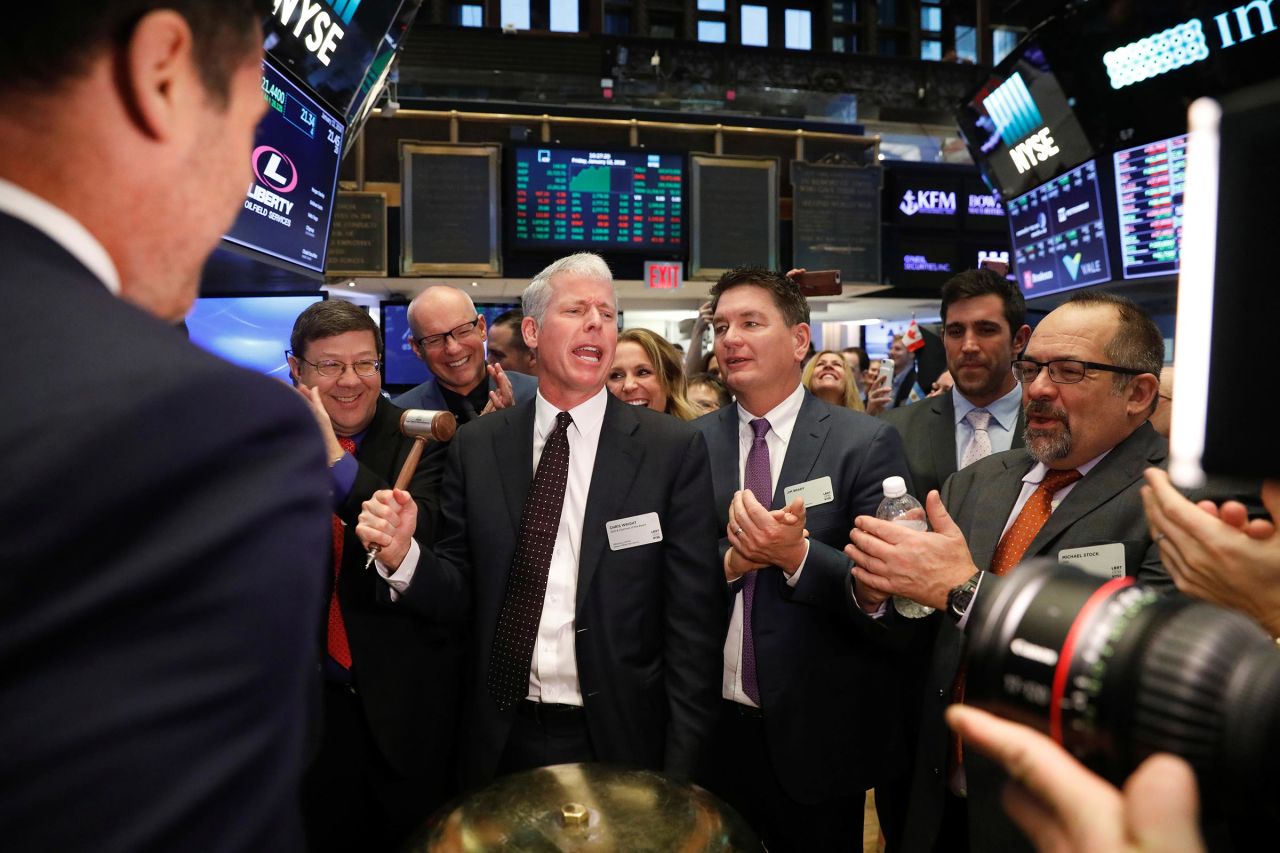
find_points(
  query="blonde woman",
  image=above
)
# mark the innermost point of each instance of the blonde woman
(828, 377)
(647, 371)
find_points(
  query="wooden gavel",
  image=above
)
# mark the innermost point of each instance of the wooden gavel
(422, 425)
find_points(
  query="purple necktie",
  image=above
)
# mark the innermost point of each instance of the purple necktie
(760, 483)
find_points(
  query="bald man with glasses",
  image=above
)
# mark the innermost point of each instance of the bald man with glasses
(449, 337)
(1089, 383)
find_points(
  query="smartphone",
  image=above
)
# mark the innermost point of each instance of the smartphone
(819, 282)
(886, 371)
(1000, 268)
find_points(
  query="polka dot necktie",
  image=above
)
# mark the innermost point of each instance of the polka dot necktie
(1013, 545)
(1035, 512)
(759, 481)
(336, 640)
(979, 446)
(513, 643)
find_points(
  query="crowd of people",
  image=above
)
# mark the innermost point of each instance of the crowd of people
(223, 629)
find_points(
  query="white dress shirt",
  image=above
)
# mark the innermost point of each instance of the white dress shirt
(62, 228)
(782, 420)
(553, 676)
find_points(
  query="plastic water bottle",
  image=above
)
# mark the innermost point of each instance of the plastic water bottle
(901, 508)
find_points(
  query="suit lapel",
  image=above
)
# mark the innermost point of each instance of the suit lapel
(807, 437)
(722, 447)
(1019, 427)
(618, 458)
(379, 445)
(997, 500)
(1121, 467)
(513, 448)
(942, 437)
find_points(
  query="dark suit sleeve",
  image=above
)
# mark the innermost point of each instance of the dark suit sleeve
(695, 616)
(826, 581)
(441, 581)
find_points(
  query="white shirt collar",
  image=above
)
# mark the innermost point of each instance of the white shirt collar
(587, 416)
(1039, 470)
(62, 228)
(1004, 410)
(781, 418)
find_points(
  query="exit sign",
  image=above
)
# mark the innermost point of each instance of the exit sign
(663, 275)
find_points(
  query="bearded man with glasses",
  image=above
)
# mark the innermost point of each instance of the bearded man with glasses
(1089, 383)
(449, 336)
(390, 677)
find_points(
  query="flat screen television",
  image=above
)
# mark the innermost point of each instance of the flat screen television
(878, 337)
(251, 330)
(1020, 126)
(401, 368)
(1149, 184)
(1059, 235)
(339, 49)
(288, 207)
(619, 199)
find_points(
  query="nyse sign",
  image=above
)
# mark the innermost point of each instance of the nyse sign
(1036, 148)
(321, 25)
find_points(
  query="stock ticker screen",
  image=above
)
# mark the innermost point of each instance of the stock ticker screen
(1149, 182)
(601, 199)
(289, 204)
(1059, 238)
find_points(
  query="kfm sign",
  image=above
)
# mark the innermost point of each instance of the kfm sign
(663, 275)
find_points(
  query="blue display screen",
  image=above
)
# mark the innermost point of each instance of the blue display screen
(289, 204)
(401, 365)
(251, 331)
(1059, 238)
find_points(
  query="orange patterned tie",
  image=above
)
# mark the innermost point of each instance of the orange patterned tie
(1035, 512)
(337, 637)
(1013, 545)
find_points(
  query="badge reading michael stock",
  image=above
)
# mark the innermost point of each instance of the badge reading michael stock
(636, 530)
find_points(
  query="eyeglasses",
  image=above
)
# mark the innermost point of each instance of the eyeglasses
(331, 369)
(1064, 371)
(459, 334)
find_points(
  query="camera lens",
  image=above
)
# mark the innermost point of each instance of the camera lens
(1115, 671)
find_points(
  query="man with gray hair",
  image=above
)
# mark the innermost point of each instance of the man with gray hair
(449, 336)
(593, 587)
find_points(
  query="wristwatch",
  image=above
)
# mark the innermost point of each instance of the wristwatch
(960, 597)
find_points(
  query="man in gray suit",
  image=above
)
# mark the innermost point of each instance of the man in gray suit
(449, 336)
(1089, 384)
(983, 328)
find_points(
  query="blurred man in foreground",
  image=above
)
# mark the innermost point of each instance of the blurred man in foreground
(165, 517)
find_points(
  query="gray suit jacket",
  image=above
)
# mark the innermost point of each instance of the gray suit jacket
(1104, 507)
(928, 430)
(428, 396)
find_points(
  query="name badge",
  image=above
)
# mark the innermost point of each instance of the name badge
(815, 492)
(1104, 561)
(634, 531)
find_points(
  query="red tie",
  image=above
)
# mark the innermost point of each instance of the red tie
(1013, 546)
(337, 641)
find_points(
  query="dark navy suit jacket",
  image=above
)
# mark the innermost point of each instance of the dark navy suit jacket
(828, 673)
(428, 396)
(164, 551)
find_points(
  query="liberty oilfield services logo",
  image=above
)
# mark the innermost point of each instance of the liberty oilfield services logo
(1019, 123)
(276, 174)
(320, 22)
